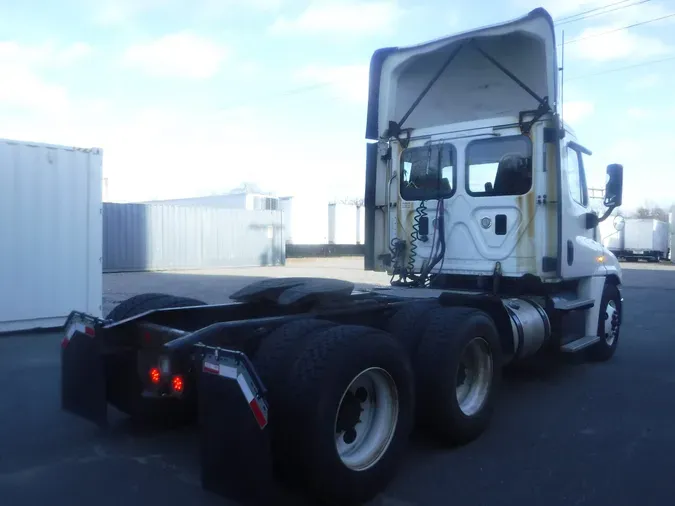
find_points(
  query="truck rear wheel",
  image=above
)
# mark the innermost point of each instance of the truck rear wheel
(407, 325)
(350, 414)
(609, 325)
(458, 371)
(273, 361)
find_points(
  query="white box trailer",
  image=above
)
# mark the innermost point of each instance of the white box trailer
(50, 234)
(346, 224)
(305, 220)
(644, 239)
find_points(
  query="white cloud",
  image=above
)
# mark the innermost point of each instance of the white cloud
(47, 54)
(645, 82)
(347, 82)
(75, 53)
(342, 17)
(617, 45)
(220, 7)
(26, 90)
(638, 113)
(116, 12)
(556, 8)
(178, 55)
(637, 12)
(124, 12)
(576, 110)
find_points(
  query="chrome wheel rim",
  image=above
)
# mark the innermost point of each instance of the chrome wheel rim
(366, 419)
(474, 376)
(611, 323)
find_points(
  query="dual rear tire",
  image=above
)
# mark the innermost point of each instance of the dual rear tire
(457, 360)
(344, 399)
(344, 405)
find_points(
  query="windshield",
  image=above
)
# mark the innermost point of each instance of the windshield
(428, 172)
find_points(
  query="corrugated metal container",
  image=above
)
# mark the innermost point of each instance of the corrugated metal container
(143, 237)
(50, 233)
(305, 219)
(250, 201)
(646, 234)
(346, 224)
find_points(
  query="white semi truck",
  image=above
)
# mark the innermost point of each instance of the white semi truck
(476, 204)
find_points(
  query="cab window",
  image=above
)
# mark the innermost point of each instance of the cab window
(576, 178)
(499, 166)
(428, 172)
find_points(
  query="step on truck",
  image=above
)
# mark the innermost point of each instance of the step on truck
(476, 205)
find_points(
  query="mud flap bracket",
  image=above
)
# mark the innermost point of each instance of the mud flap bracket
(83, 383)
(234, 442)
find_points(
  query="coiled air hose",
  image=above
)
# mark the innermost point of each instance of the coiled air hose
(420, 212)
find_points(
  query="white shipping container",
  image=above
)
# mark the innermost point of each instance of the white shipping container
(50, 234)
(305, 219)
(346, 224)
(646, 234)
(248, 201)
(671, 243)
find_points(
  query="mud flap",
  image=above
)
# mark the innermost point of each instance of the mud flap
(83, 385)
(235, 446)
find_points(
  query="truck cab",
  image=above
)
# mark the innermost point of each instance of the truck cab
(473, 179)
(465, 133)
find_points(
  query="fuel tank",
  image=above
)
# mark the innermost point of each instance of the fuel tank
(530, 324)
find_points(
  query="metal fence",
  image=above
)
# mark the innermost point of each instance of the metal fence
(146, 237)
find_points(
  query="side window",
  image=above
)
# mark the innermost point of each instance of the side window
(428, 172)
(499, 166)
(576, 178)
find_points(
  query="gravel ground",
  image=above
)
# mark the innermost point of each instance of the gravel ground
(563, 435)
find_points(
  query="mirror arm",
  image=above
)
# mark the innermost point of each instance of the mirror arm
(606, 215)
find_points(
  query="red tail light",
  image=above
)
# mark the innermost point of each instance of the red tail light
(155, 375)
(177, 384)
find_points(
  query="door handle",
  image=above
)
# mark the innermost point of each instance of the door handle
(570, 252)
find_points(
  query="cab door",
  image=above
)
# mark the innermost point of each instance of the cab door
(579, 251)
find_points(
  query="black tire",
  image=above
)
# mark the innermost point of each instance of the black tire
(276, 355)
(325, 368)
(139, 304)
(273, 361)
(603, 350)
(449, 331)
(408, 324)
(279, 350)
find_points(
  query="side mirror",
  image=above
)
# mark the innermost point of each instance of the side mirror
(619, 223)
(614, 185)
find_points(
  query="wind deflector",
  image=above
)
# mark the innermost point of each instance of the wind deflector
(535, 29)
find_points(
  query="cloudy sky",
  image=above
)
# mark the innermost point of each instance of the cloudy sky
(192, 98)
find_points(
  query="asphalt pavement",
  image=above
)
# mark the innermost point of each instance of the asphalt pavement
(565, 434)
